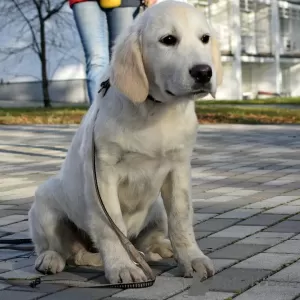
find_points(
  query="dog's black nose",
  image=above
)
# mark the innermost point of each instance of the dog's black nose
(201, 73)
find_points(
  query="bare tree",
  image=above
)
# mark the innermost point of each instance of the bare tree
(40, 24)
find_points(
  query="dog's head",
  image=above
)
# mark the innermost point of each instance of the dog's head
(169, 52)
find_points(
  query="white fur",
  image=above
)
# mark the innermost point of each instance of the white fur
(143, 153)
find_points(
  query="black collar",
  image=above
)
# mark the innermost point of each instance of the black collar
(105, 85)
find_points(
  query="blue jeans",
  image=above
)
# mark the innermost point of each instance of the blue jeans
(98, 29)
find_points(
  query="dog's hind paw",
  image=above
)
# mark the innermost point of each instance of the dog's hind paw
(161, 248)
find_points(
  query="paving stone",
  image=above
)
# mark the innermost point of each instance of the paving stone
(211, 244)
(266, 238)
(18, 201)
(263, 195)
(200, 196)
(272, 202)
(25, 207)
(238, 251)
(118, 298)
(221, 264)
(7, 254)
(11, 219)
(290, 246)
(285, 226)
(296, 237)
(293, 193)
(243, 201)
(201, 234)
(208, 296)
(79, 294)
(295, 202)
(9, 295)
(239, 213)
(223, 198)
(26, 273)
(3, 286)
(172, 286)
(283, 209)
(288, 274)
(263, 219)
(214, 225)
(18, 235)
(199, 204)
(224, 190)
(261, 172)
(235, 280)
(270, 290)
(238, 231)
(16, 263)
(9, 212)
(5, 206)
(81, 273)
(218, 209)
(15, 227)
(295, 218)
(2, 234)
(243, 192)
(266, 261)
(44, 288)
(202, 217)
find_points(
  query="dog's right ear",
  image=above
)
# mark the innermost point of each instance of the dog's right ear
(127, 68)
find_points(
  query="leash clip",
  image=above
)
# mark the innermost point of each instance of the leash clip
(143, 254)
(105, 85)
(34, 283)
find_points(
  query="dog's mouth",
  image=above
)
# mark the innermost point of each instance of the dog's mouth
(170, 93)
(193, 93)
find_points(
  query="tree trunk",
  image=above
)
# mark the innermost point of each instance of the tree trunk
(45, 85)
(43, 58)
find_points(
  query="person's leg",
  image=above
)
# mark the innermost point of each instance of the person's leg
(119, 19)
(91, 23)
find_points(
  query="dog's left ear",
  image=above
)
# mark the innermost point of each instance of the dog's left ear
(216, 59)
(127, 68)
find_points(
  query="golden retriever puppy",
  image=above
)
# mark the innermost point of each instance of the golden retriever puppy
(145, 127)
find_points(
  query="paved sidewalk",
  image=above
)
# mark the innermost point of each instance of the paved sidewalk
(246, 193)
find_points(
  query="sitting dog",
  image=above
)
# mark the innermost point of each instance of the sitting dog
(145, 127)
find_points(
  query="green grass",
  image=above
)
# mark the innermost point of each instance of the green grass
(246, 115)
(57, 115)
(208, 112)
(291, 101)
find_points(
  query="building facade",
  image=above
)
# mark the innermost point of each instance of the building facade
(260, 46)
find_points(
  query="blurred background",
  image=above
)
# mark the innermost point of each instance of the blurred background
(260, 43)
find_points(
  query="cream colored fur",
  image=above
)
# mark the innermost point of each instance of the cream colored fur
(143, 156)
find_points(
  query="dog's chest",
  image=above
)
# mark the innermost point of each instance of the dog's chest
(144, 165)
(162, 141)
(150, 152)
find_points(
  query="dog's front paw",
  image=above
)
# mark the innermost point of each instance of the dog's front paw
(50, 262)
(124, 273)
(202, 265)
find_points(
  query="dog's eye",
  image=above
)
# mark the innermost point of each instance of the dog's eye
(169, 40)
(205, 38)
